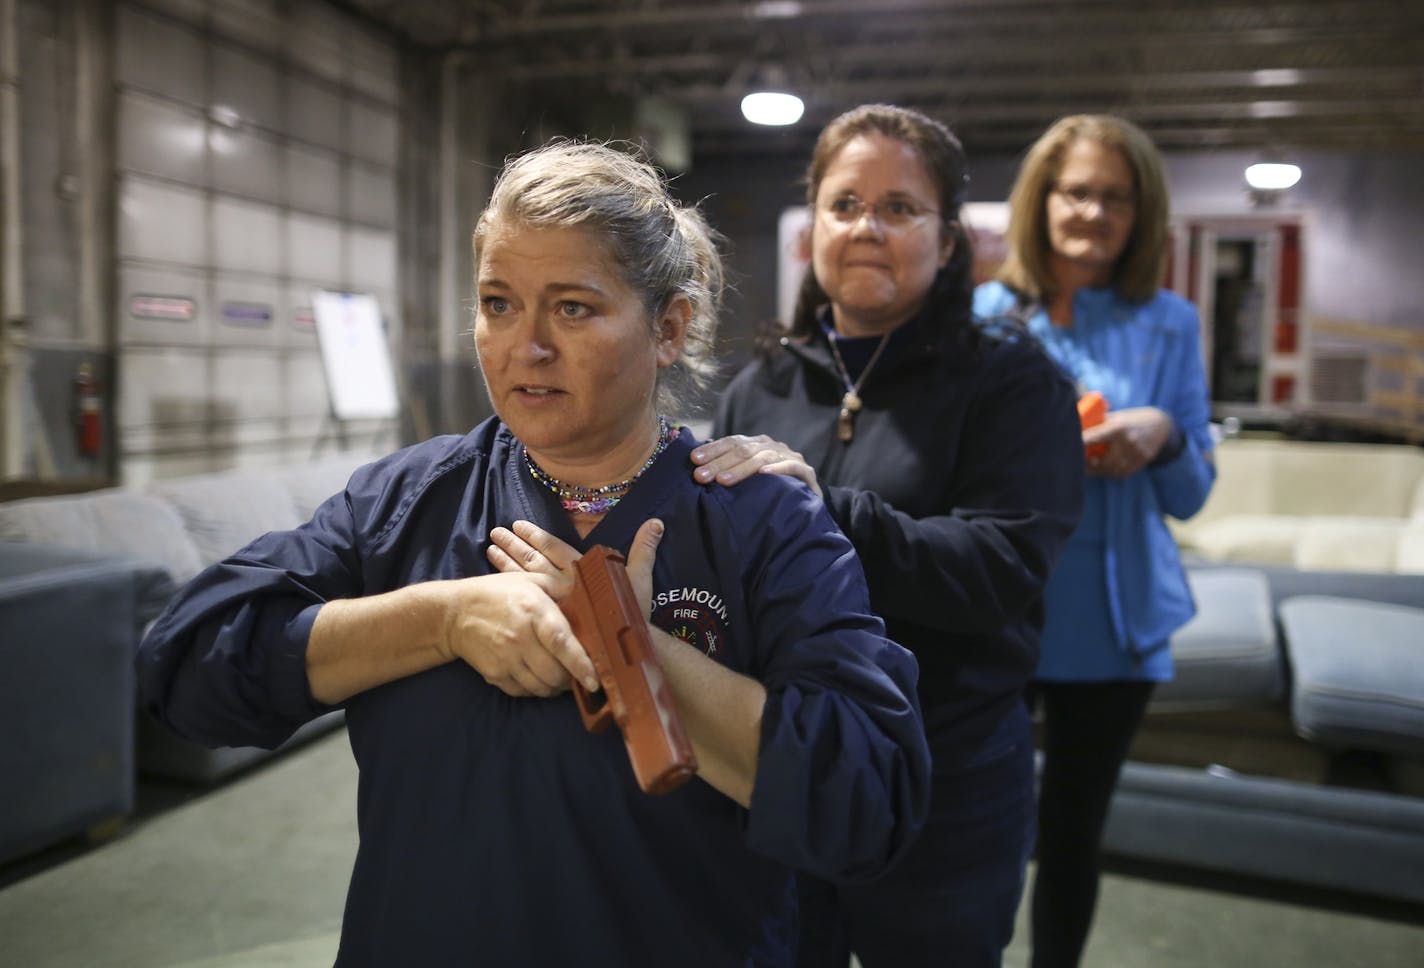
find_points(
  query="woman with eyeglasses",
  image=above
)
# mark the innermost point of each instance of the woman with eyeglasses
(1086, 244)
(949, 454)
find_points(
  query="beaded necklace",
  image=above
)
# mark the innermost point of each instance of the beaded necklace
(596, 500)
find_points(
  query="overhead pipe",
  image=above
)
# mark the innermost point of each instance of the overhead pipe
(14, 360)
(12, 239)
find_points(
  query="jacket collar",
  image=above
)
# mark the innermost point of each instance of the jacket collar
(909, 346)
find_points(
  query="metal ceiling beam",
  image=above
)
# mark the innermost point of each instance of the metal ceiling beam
(979, 111)
(1010, 13)
(695, 15)
(916, 58)
(1018, 137)
(964, 53)
(1202, 71)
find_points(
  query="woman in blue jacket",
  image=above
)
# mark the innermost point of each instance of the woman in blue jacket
(1086, 242)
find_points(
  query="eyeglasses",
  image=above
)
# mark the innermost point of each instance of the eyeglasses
(891, 213)
(1111, 202)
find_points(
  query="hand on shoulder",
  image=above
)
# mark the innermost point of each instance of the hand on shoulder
(730, 460)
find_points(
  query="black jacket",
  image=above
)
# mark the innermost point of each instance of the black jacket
(959, 489)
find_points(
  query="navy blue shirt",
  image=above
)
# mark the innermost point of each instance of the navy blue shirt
(497, 830)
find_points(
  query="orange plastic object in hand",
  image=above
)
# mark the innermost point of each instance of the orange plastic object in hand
(1092, 408)
(603, 612)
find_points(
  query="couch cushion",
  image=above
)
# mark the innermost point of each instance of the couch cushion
(111, 522)
(225, 511)
(68, 631)
(1365, 480)
(1348, 544)
(1264, 538)
(154, 584)
(1228, 652)
(1359, 672)
(1416, 506)
(1391, 589)
(311, 484)
(1305, 479)
(1409, 550)
(1343, 839)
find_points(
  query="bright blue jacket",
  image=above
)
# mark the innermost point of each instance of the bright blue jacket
(1140, 355)
(497, 830)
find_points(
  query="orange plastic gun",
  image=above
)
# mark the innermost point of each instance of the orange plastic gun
(606, 619)
(1092, 408)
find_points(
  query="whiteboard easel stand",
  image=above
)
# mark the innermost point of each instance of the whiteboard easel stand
(335, 428)
(360, 379)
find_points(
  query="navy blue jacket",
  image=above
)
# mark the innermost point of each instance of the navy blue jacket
(496, 830)
(959, 490)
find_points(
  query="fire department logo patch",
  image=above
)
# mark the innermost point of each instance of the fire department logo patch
(694, 615)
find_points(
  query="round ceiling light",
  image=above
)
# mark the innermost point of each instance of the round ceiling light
(1272, 176)
(772, 107)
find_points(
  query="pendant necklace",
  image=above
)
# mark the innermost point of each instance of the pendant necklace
(578, 499)
(851, 402)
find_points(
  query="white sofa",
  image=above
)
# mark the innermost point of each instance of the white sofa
(1314, 506)
(1291, 743)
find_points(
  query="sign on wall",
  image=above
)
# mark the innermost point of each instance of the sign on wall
(355, 355)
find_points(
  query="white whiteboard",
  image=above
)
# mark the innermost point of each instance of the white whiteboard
(354, 354)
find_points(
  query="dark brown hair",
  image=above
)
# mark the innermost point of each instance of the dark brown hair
(952, 292)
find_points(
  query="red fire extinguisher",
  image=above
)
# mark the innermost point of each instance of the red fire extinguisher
(88, 411)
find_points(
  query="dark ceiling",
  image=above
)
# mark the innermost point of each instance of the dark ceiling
(1308, 74)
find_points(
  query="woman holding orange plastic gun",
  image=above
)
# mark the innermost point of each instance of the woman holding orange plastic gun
(1087, 238)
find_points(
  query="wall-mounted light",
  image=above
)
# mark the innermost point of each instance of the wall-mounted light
(772, 107)
(1272, 176)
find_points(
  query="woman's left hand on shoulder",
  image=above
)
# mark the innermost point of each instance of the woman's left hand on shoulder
(732, 459)
(1131, 439)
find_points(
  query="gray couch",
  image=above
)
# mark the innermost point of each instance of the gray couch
(69, 623)
(1291, 744)
(82, 574)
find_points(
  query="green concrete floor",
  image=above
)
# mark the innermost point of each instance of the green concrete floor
(254, 872)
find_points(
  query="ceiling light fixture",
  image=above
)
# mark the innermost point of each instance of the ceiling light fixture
(772, 107)
(1272, 176)
(776, 10)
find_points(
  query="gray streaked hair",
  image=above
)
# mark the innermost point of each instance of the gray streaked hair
(663, 248)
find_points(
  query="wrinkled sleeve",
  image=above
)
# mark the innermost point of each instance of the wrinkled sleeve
(225, 664)
(842, 783)
(1183, 483)
(1017, 495)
